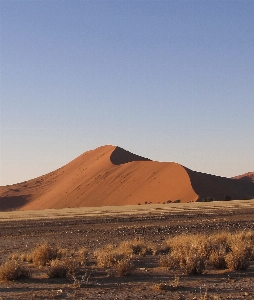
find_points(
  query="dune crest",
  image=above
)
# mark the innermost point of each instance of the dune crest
(246, 177)
(110, 175)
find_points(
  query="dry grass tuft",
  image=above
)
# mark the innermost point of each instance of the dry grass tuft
(108, 257)
(188, 252)
(124, 267)
(12, 270)
(57, 269)
(62, 268)
(44, 253)
(118, 258)
(136, 247)
(217, 259)
(221, 250)
(239, 257)
(82, 255)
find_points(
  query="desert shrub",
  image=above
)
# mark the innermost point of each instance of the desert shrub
(170, 260)
(119, 258)
(82, 255)
(207, 199)
(217, 258)
(239, 257)
(220, 242)
(108, 256)
(221, 250)
(44, 253)
(57, 269)
(124, 267)
(136, 247)
(188, 252)
(193, 263)
(12, 270)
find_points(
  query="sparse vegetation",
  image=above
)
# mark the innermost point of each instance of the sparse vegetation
(57, 269)
(44, 253)
(154, 257)
(192, 253)
(13, 270)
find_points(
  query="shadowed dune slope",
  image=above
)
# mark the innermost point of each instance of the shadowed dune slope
(246, 177)
(110, 175)
(220, 188)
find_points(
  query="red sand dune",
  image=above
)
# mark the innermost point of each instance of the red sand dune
(110, 175)
(246, 177)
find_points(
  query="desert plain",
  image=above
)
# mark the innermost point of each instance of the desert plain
(93, 228)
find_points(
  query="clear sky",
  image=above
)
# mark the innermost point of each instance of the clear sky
(169, 80)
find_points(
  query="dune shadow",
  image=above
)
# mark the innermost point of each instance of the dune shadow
(220, 188)
(120, 156)
(245, 178)
(13, 202)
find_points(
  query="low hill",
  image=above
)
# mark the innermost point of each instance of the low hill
(110, 175)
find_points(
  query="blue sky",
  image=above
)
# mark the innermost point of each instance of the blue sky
(169, 80)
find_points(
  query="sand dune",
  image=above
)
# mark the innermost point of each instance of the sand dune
(110, 175)
(246, 177)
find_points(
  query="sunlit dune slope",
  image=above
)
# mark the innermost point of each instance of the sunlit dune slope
(110, 175)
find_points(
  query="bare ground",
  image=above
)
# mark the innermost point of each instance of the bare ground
(93, 228)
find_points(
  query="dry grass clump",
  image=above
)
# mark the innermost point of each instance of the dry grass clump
(220, 245)
(239, 256)
(12, 270)
(136, 247)
(82, 255)
(63, 268)
(188, 253)
(217, 258)
(118, 258)
(108, 256)
(124, 267)
(44, 253)
(57, 269)
(224, 250)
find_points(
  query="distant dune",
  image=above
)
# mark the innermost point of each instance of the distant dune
(110, 175)
(246, 177)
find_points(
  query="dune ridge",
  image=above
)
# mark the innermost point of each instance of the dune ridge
(112, 176)
(246, 177)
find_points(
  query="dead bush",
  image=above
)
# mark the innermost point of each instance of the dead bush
(239, 257)
(136, 247)
(57, 269)
(82, 255)
(12, 270)
(124, 267)
(108, 256)
(170, 260)
(193, 263)
(217, 259)
(220, 242)
(189, 252)
(44, 253)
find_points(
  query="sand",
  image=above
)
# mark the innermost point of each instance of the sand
(112, 176)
